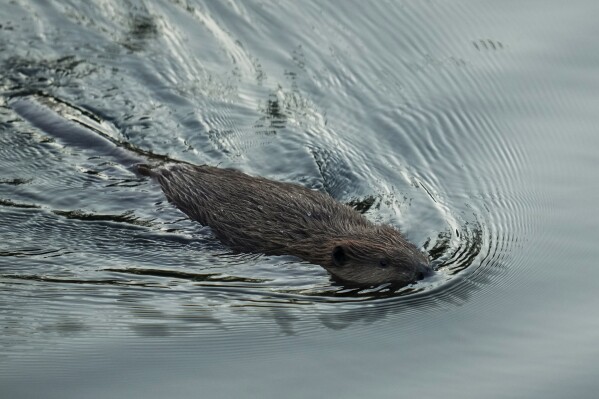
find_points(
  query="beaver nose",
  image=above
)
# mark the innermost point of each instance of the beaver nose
(423, 270)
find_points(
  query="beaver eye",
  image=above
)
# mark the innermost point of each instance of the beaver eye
(339, 256)
(383, 263)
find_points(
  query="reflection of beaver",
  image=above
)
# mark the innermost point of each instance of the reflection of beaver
(253, 214)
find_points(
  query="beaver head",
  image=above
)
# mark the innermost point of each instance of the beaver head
(375, 256)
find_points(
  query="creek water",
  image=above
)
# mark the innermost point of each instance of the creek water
(469, 125)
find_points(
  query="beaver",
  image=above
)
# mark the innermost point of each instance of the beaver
(249, 214)
(257, 215)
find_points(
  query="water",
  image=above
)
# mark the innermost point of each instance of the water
(469, 125)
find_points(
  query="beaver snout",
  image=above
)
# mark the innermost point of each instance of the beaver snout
(423, 270)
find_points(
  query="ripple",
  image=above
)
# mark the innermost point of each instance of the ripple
(416, 135)
(465, 243)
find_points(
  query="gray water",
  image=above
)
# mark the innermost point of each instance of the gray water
(470, 125)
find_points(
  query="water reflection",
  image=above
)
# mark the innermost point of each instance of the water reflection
(142, 29)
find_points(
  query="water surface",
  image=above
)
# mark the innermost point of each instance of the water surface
(468, 125)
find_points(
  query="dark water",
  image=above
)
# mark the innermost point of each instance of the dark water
(470, 125)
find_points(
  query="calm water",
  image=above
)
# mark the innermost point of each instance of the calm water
(470, 125)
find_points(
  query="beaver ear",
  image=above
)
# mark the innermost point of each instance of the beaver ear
(339, 256)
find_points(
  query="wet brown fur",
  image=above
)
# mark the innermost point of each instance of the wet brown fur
(254, 214)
